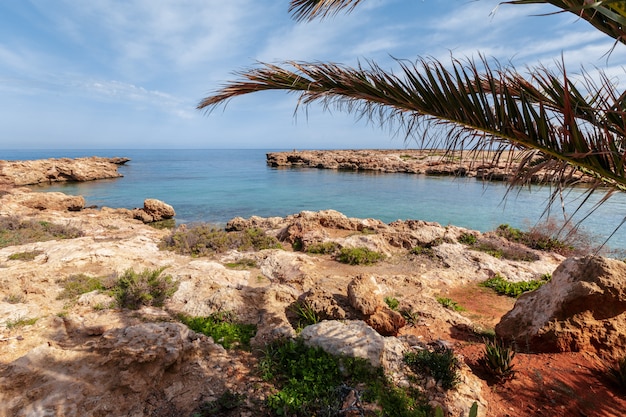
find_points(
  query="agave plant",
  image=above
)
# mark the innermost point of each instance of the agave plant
(545, 121)
(498, 359)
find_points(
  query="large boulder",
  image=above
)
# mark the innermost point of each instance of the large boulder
(583, 308)
(154, 211)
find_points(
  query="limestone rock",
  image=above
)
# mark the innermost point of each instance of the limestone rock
(583, 308)
(19, 173)
(154, 211)
(50, 201)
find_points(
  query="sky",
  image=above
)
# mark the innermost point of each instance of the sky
(104, 74)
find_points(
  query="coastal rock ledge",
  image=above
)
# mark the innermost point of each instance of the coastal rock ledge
(487, 166)
(46, 171)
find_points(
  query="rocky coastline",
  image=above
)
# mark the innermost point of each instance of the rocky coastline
(86, 356)
(481, 166)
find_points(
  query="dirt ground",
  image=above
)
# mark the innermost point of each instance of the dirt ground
(563, 384)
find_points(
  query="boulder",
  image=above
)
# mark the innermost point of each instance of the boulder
(51, 201)
(154, 211)
(583, 308)
(364, 295)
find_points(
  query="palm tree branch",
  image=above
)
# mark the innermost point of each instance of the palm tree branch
(499, 104)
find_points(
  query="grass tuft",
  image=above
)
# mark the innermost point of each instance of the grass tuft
(442, 364)
(148, 288)
(223, 328)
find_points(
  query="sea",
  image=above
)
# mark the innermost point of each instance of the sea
(214, 186)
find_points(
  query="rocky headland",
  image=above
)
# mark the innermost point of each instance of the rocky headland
(87, 356)
(481, 165)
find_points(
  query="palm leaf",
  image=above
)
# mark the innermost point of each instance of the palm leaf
(573, 129)
(312, 9)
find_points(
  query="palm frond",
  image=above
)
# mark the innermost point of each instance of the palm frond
(312, 9)
(572, 129)
(608, 16)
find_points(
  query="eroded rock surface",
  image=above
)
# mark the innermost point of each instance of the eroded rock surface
(583, 308)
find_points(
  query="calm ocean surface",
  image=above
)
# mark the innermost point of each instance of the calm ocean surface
(217, 185)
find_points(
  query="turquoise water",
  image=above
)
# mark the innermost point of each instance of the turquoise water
(217, 185)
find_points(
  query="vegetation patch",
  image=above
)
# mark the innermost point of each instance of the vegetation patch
(207, 240)
(618, 373)
(75, 285)
(323, 248)
(14, 298)
(243, 263)
(305, 315)
(359, 256)
(450, 304)
(224, 328)
(541, 238)
(392, 303)
(468, 239)
(148, 288)
(21, 322)
(512, 289)
(442, 364)
(312, 382)
(25, 256)
(422, 250)
(16, 231)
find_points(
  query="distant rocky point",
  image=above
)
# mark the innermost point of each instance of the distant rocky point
(46, 171)
(483, 165)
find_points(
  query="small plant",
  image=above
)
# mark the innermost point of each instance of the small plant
(305, 314)
(25, 256)
(467, 239)
(78, 284)
(14, 298)
(226, 402)
(243, 263)
(392, 303)
(411, 317)
(511, 289)
(323, 248)
(148, 288)
(359, 256)
(450, 304)
(498, 359)
(21, 322)
(618, 373)
(223, 328)
(442, 364)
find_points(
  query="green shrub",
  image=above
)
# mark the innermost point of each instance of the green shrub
(323, 248)
(78, 284)
(543, 238)
(450, 304)
(25, 256)
(511, 289)
(15, 231)
(442, 364)
(422, 250)
(206, 240)
(468, 239)
(392, 303)
(498, 359)
(359, 256)
(312, 382)
(148, 288)
(224, 328)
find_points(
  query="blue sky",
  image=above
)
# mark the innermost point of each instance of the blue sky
(129, 74)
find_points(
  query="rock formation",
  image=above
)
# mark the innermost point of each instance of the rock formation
(46, 171)
(484, 166)
(583, 308)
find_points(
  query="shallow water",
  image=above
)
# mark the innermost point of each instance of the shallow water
(217, 185)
